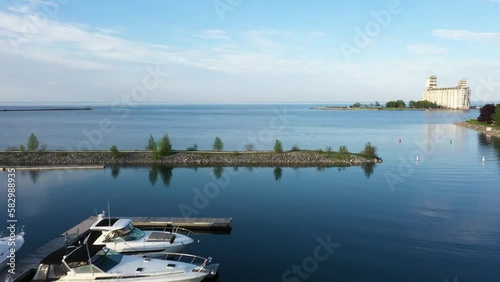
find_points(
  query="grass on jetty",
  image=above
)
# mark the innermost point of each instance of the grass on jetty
(476, 122)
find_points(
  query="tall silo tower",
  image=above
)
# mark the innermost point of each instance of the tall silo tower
(432, 81)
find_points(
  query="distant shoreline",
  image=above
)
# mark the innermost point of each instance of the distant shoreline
(334, 108)
(47, 109)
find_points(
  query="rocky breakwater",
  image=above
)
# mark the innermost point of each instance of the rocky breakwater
(480, 128)
(187, 159)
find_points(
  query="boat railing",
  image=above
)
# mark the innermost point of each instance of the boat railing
(171, 229)
(187, 258)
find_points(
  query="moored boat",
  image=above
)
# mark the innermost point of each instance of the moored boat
(91, 263)
(120, 235)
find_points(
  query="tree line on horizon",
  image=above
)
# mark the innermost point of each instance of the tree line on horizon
(400, 104)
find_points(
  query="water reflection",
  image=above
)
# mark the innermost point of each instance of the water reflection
(34, 174)
(115, 171)
(278, 171)
(165, 173)
(368, 168)
(218, 171)
(488, 141)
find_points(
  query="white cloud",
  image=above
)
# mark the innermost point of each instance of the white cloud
(22, 8)
(317, 34)
(213, 34)
(426, 49)
(466, 35)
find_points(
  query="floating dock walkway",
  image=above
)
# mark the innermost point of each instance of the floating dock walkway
(26, 267)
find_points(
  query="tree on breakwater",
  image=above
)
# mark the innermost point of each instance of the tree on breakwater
(218, 144)
(278, 147)
(161, 148)
(370, 151)
(115, 153)
(32, 145)
(165, 146)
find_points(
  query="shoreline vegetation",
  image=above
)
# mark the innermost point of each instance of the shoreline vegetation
(47, 109)
(398, 105)
(303, 158)
(349, 108)
(488, 121)
(481, 127)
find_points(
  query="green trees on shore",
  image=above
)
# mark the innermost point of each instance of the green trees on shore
(395, 104)
(423, 105)
(487, 113)
(496, 115)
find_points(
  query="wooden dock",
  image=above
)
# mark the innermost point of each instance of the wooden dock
(184, 222)
(26, 267)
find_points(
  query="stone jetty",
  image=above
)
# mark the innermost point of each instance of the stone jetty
(480, 128)
(187, 159)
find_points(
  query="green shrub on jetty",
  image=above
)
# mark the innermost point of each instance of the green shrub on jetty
(218, 144)
(278, 147)
(115, 153)
(151, 144)
(192, 148)
(33, 143)
(160, 148)
(370, 151)
(343, 149)
(250, 147)
(164, 146)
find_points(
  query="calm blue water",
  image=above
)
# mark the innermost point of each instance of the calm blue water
(402, 220)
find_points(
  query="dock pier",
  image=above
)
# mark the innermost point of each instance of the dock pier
(26, 267)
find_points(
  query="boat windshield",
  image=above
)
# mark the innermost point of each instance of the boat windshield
(129, 233)
(47, 272)
(106, 259)
(133, 235)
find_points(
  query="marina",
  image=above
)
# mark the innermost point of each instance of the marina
(25, 268)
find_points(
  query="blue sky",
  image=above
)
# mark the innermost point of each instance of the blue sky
(245, 51)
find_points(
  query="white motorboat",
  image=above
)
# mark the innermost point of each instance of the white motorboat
(94, 263)
(10, 240)
(122, 236)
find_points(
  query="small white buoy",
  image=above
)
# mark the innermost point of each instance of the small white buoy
(484, 159)
(417, 158)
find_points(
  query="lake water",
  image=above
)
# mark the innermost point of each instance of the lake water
(435, 219)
